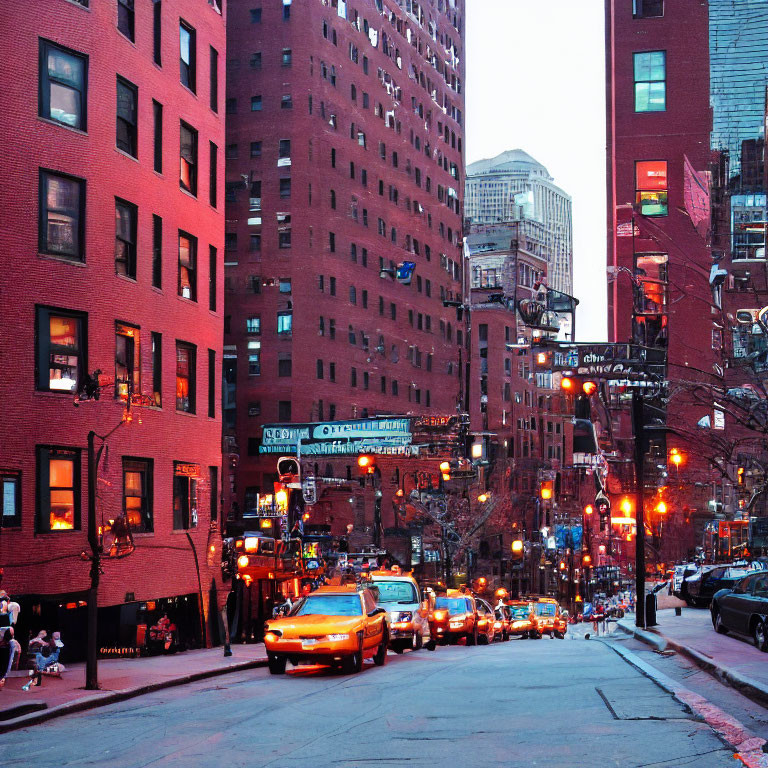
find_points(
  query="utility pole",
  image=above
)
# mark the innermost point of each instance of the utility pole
(638, 424)
(92, 648)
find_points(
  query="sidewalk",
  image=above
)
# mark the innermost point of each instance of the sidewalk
(732, 660)
(119, 679)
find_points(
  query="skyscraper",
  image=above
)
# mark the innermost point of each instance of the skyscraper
(512, 187)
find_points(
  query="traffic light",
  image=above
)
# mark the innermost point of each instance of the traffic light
(562, 565)
(582, 390)
(589, 509)
(586, 560)
(445, 469)
(366, 463)
(518, 549)
(547, 490)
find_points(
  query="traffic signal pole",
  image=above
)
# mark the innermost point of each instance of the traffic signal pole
(638, 424)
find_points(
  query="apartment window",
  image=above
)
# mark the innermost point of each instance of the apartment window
(647, 9)
(283, 239)
(157, 116)
(255, 15)
(63, 94)
(366, 380)
(61, 350)
(137, 493)
(286, 101)
(211, 384)
(212, 277)
(650, 81)
(395, 388)
(185, 487)
(214, 79)
(187, 55)
(286, 60)
(332, 286)
(58, 489)
(188, 158)
(284, 365)
(255, 149)
(284, 410)
(186, 360)
(127, 107)
(62, 215)
(126, 215)
(352, 294)
(157, 368)
(126, 18)
(253, 324)
(255, 60)
(254, 243)
(651, 187)
(187, 287)
(284, 285)
(254, 358)
(285, 188)
(213, 174)
(353, 377)
(319, 371)
(285, 323)
(10, 482)
(157, 32)
(255, 103)
(332, 242)
(254, 408)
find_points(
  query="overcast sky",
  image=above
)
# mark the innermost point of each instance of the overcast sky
(535, 81)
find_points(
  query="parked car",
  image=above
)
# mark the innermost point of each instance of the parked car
(549, 618)
(743, 608)
(503, 622)
(454, 617)
(398, 593)
(523, 619)
(337, 626)
(486, 620)
(700, 590)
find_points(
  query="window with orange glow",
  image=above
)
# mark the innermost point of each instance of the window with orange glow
(60, 350)
(185, 377)
(188, 158)
(137, 493)
(651, 187)
(187, 287)
(58, 489)
(127, 357)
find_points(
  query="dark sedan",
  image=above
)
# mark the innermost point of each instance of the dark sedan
(744, 609)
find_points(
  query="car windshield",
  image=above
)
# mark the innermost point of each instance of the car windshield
(453, 604)
(519, 611)
(396, 592)
(329, 605)
(545, 609)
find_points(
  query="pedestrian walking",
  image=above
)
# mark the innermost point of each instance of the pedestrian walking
(598, 619)
(10, 652)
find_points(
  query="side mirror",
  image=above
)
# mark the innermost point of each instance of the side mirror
(376, 612)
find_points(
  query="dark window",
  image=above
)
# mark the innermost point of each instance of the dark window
(647, 9)
(11, 499)
(286, 11)
(231, 106)
(137, 493)
(255, 60)
(187, 55)
(332, 286)
(186, 355)
(213, 174)
(62, 215)
(286, 60)
(127, 106)
(255, 103)
(284, 366)
(61, 350)
(284, 410)
(352, 294)
(285, 188)
(255, 15)
(255, 149)
(125, 18)
(211, 384)
(331, 371)
(157, 114)
(126, 215)
(187, 286)
(157, 368)
(231, 151)
(212, 277)
(63, 92)
(188, 157)
(157, 251)
(157, 32)
(284, 148)
(254, 243)
(213, 478)
(353, 377)
(283, 239)
(185, 486)
(58, 489)
(319, 372)
(395, 388)
(286, 101)
(214, 79)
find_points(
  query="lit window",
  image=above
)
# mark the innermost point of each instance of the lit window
(188, 158)
(650, 81)
(284, 322)
(137, 493)
(185, 485)
(253, 324)
(61, 341)
(10, 484)
(254, 358)
(651, 187)
(63, 85)
(58, 489)
(185, 377)
(127, 361)
(187, 287)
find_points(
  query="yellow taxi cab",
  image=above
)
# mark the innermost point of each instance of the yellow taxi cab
(486, 622)
(523, 623)
(454, 616)
(337, 626)
(549, 618)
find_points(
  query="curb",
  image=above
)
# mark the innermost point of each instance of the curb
(112, 697)
(753, 690)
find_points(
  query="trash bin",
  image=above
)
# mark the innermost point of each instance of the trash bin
(678, 611)
(650, 610)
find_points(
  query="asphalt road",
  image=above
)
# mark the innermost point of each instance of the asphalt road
(523, 703)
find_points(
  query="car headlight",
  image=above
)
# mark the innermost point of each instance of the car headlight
(404, 616)
(337, 638)
(440, 615)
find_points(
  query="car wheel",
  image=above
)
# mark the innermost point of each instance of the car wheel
(524, 636)
(760, 635)
(276, 664)
(398, 646)
(472, 639)
(505, 637)
(380, 659)
(720, 628)
(431, 645)
(418, 641)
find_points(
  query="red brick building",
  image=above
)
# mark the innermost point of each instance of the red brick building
(113, 218)
(345, 125)
(659, 262)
